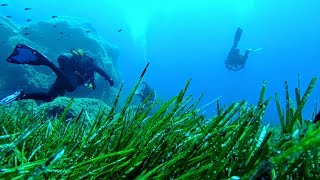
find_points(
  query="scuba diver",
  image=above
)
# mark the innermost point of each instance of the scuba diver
(146, 92)
(75, 69)
(235, 60)
(316, 118)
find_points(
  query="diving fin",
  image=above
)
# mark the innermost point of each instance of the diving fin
(23, 54)
(13, 97)
(237, 36)
(254, 50)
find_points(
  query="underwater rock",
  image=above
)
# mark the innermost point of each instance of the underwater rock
(7, 29)
(52, 38)
(14, 76)
(28, 105)
(112, 51)
(91, 107)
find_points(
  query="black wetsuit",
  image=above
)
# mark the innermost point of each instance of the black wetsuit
(146, 92)
(72, 72)
(236, 61)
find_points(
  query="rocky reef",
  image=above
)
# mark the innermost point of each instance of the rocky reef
(51, 38)
(88, 107)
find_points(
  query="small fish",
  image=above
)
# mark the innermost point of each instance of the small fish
(58, 39)
(4, 4)
(25, 28)
(27, 9)
(61, 33)
(55, 26)
(2, 42)
(87, 31)
(28, 20)
(64, 37)
(9, 16)
(119, 30)
(54, 16)
(26, 34)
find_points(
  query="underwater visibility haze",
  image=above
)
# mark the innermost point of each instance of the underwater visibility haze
(147, 51)
(191, 39)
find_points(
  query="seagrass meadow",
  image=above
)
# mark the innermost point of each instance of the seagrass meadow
(168, 140)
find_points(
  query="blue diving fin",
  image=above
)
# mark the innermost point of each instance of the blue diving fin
(23, 54)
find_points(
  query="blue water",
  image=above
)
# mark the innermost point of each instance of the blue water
(190, 39)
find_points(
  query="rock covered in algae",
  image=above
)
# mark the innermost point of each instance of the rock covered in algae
(51, 38)
(91, 107)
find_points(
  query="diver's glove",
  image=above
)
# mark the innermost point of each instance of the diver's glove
(15, 96)
(111, 82)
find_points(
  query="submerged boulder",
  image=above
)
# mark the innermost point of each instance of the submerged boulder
(91, 107)
(52, 38)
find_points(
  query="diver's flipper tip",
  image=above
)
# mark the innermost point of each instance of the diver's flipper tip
(237, 36)
(13, 97)
(256, 49)
(23, 54)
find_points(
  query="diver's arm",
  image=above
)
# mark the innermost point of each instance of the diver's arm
(245, 57)
(103, 74)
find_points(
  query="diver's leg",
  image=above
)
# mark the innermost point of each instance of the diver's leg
(63, 79)
(55, 69)
(42, 96)
(56, 90)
